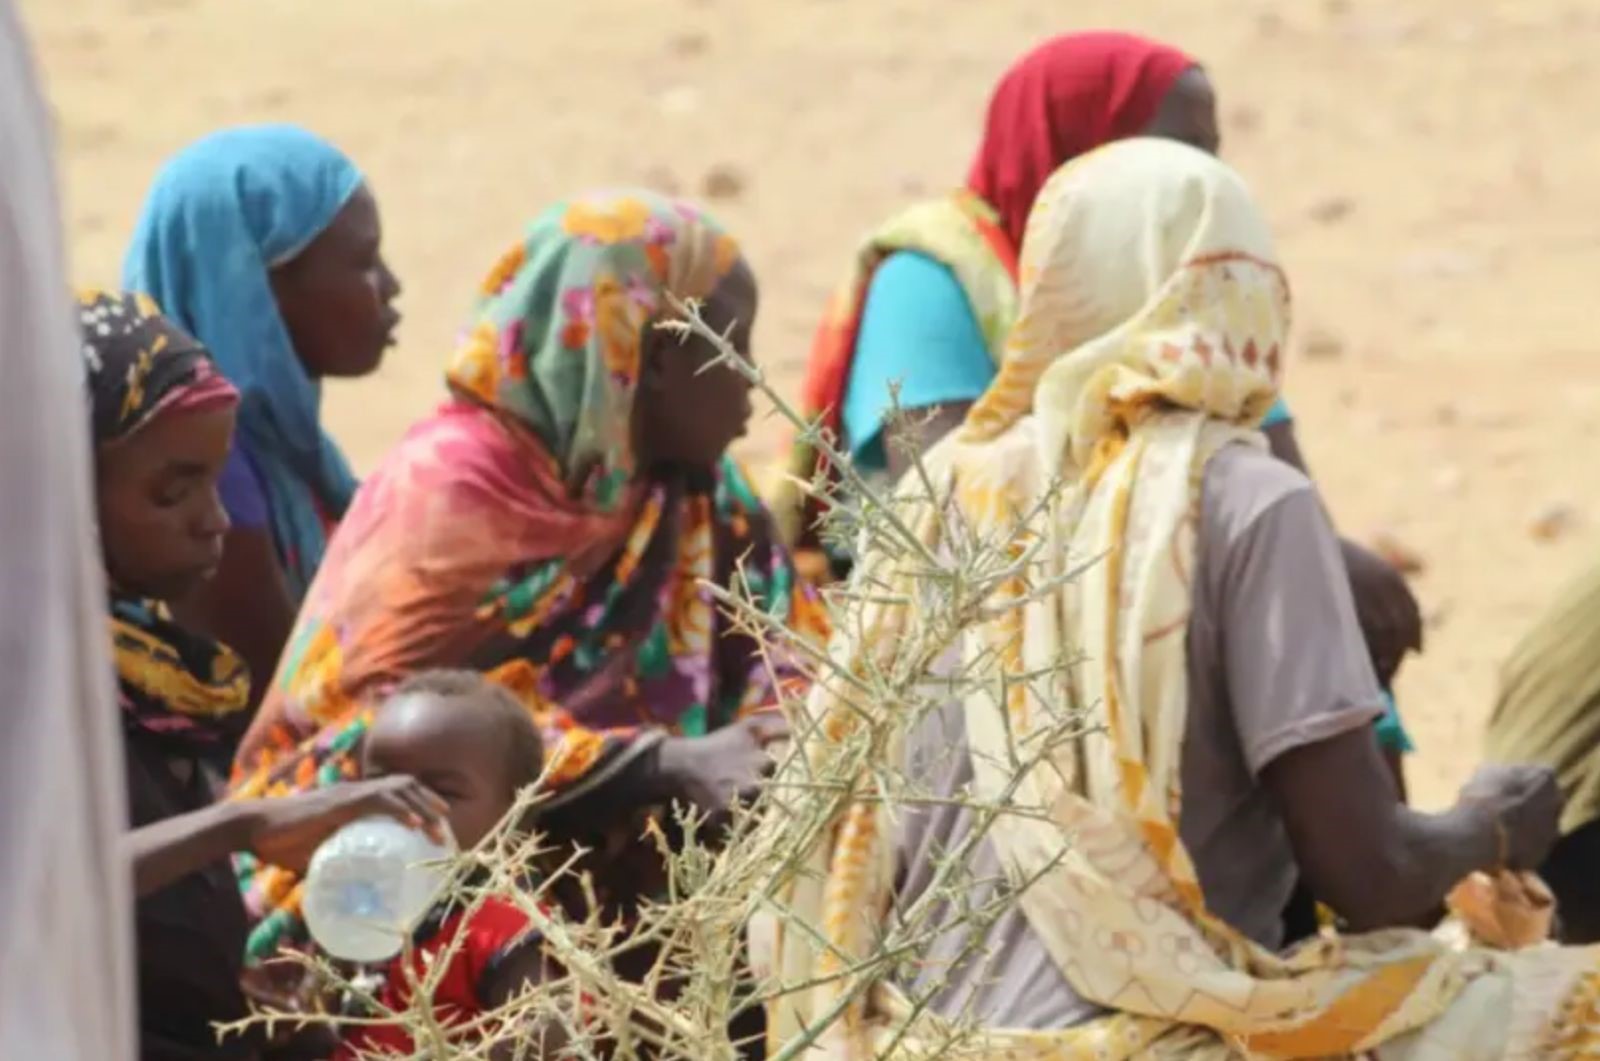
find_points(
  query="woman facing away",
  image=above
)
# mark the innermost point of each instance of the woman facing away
(264, 242)
(554, 524)
(1224, 747)
(163, 421)
(932, 295)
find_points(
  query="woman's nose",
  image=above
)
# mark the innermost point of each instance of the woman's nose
(213, 519)
(388, 282)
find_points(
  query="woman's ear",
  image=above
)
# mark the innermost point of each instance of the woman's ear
(653, 350)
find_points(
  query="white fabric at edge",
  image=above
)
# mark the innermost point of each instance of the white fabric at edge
(66, 970)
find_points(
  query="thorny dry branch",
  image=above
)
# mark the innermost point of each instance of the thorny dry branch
(717, 883)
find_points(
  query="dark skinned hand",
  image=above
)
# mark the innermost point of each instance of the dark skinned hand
(711, 772)
(1390, 619)
(286, 831)
(1526, 801)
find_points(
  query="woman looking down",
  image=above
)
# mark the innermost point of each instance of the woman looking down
(163, 422)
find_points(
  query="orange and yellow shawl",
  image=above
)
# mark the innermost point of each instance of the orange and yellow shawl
(1153, 319)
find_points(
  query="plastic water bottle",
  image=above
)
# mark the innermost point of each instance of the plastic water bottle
(369, 884)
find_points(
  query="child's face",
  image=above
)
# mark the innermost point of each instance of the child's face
(451, 748)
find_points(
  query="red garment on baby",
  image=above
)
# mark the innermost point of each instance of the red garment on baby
(494, 929)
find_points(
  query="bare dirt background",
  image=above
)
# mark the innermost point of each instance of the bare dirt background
(1432, 168)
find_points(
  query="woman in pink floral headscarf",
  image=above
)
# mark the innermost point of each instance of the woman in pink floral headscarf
(555, 524)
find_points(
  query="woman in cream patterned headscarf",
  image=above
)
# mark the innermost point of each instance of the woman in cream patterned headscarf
(1212, 637)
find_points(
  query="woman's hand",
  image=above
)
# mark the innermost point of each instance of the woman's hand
(1391, 621)
(285, 987)
(287, 830)
(283, 832)
(713, 771)
(1525, 803)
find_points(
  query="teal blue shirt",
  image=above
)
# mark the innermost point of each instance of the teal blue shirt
(917, 330)
(1390, 730)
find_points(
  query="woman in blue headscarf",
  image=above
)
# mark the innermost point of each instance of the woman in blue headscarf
(264, 243)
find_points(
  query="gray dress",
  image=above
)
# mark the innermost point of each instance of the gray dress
(1275, 661)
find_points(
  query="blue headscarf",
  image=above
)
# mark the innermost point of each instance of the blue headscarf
(221, 214)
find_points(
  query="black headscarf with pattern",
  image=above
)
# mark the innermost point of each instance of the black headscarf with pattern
(139, 363)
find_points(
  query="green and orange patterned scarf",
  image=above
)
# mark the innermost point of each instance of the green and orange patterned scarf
(514, 532)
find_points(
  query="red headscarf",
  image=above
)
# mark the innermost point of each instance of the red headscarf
(1068, 96)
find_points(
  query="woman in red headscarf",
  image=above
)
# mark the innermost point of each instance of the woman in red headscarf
(933, 289)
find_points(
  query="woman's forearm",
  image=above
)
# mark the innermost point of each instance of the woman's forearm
(1376, 862)
(172, 849)
(1430, 854)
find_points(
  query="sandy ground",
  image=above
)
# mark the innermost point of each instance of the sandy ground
(1432, 169)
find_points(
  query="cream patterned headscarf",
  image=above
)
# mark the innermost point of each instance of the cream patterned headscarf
(1153, 321)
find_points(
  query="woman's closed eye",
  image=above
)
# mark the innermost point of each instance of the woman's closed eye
(173, 491)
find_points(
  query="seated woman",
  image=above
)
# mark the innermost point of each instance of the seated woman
(554, 525)
(163, 422)
(1548, 711)
(1121, 898)
(264, 242)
